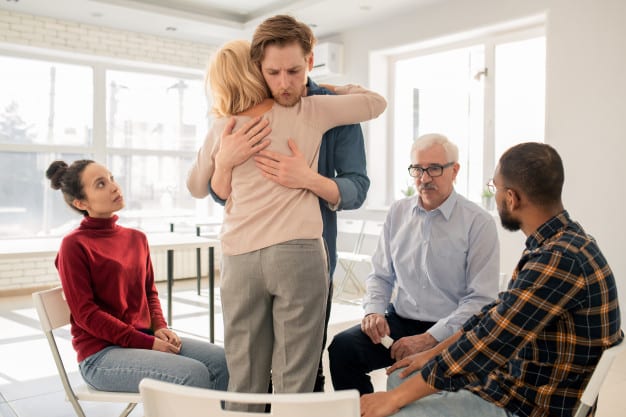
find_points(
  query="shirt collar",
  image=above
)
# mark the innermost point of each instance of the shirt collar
(314, 89)
(547, 230)
(445, 208)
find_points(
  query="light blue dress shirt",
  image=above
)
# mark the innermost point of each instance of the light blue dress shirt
(445, 263)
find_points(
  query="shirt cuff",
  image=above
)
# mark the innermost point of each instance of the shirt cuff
(440, 331)
(375, 309)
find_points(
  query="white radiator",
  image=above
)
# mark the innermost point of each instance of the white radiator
(184, 263)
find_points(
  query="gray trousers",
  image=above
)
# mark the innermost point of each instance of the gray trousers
(274, 304)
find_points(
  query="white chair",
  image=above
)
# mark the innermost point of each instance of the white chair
(54, 313)
(359, 231)
(590, 394)
(164, 399)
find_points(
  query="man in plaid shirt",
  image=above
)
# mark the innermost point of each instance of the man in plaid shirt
(532, 351)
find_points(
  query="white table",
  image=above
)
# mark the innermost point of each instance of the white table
(171, 241)
(199, 223)
(49, 246)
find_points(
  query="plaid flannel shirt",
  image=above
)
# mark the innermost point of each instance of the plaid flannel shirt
(534, 349)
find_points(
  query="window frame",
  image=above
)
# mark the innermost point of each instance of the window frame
(98, 148)
(382, 79)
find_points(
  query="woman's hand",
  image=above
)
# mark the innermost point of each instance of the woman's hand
(165, 340)
(237, 147)
(378, 404)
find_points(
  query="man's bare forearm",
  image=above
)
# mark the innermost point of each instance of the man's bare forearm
(221, 182)
(324, 188)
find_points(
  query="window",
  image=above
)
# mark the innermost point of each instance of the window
(154, 112)
(45, 102)
(151, 124)
(485, 97)
(437, 93)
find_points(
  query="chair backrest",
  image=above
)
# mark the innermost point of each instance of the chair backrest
(590, 394)
(373, 228)
(358, 231)
(164, 399)
(52, 309)
(351, 230)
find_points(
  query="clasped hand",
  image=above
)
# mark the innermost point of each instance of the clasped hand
(165, 340)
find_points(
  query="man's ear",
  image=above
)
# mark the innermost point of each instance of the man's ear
(309, 61)
(513, 199)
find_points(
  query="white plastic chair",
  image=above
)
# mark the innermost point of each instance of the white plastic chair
(164, 399)
(590, 394)
(54, 313)
(359, 230)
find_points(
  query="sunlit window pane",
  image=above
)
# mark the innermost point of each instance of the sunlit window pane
(44, 102)
(519, 93)
(155, 112)
(438, 93)
(154, 189)
(28, 206)
(483, 108)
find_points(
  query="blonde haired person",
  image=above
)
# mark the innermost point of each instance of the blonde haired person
(274, 280)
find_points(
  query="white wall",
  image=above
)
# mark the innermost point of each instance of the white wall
(585, 97)
(586, 117)
(19, 31)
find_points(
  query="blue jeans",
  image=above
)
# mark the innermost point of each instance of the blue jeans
(199, 364)
(462, 403)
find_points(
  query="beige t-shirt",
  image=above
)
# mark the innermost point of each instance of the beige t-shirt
(260, 213)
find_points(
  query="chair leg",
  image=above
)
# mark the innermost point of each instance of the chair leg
(348, 276)
(77, 408)
(355, 281)
(129, 409)
(198, 269)
(339, 289)
(582, 411)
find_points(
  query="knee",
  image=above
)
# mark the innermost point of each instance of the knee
(218, 369)
(341, 347)
(198, 376)
(336, 346)
(393, 380)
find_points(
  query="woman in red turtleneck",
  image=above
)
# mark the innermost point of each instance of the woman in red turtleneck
(118, 328)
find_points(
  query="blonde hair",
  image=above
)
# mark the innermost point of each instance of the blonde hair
(235, 83)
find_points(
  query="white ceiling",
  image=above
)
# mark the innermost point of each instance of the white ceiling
(214, 21)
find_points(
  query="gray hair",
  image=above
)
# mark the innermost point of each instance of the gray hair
(430, 139)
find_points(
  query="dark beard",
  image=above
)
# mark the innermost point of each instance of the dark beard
(508, 222)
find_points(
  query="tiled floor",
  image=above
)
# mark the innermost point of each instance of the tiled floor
(29, 383)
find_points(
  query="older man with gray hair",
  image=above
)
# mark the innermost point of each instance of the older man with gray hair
(440, 251)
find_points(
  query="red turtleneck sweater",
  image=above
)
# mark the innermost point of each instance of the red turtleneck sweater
(107, 278)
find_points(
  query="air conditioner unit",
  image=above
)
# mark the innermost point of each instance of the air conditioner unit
(327, 60)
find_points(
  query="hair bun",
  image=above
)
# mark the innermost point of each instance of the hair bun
(55, 173)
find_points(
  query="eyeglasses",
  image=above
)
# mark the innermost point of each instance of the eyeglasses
(491, 186)
(434, 170)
